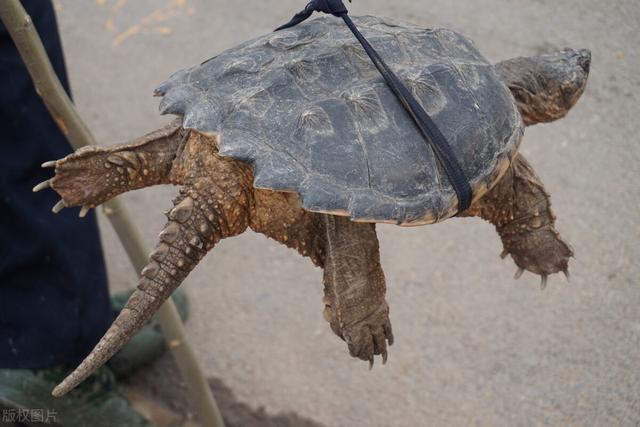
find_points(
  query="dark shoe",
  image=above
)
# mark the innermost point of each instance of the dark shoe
(98, 402)
(148, 344)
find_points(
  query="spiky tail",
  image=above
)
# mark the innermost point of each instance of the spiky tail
(203, 215)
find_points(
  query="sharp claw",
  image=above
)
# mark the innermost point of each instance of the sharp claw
(84, 211)
(371, 363)
(518, 273)
(389, 333)
(58, 207)
(42, 186)
(504, 254)
(543, 282)
(51, 164)
(566, 274)
(384, 357)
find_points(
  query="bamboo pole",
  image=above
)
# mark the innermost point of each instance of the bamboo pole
(48, 86)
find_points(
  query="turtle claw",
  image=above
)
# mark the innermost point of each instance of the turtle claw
(566, 274)
(543, 282)
(369, 338)
(518, 273)
(58, 207)
(84, 211)
(504, 254)
(51, 164)
(388, 333)
(42, 186)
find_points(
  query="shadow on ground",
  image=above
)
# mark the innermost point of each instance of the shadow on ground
(161, 382)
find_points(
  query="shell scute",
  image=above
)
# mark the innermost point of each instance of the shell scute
(366, 109)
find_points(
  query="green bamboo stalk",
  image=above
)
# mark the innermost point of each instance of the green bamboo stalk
(48, 86)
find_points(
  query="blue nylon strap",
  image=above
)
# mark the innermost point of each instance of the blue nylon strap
(425, 124)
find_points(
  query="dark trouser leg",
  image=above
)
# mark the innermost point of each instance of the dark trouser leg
(54, 302)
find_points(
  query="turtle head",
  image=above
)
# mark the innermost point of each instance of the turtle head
(547, 86)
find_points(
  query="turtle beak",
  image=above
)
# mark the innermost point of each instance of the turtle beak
(575, 75)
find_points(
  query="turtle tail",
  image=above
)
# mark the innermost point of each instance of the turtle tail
(196, 223)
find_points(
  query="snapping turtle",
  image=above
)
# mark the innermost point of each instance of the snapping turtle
(296, 135)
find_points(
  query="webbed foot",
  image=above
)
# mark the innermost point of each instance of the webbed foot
(540, 251)
(367, 337)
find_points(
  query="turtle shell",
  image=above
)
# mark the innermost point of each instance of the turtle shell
(308, 110)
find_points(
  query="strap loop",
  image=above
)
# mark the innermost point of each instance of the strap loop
(425, 124)
(331, 7)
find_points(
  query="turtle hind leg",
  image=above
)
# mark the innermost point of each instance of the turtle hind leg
(354, 283)
(354, 287)
(213, 204)
(93, 175)
(520, 209)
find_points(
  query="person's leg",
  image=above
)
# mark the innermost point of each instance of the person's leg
(54, 299)
(54, 302)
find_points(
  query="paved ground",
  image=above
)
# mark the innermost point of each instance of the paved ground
(474, 347)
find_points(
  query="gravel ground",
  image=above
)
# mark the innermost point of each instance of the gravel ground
(473, 346)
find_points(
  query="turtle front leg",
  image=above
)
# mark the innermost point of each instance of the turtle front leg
(354, 283)
(520, 209)
(93, 175)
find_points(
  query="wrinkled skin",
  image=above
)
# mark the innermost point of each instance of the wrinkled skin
(520, 209)
(547, 86)
(217, 200)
